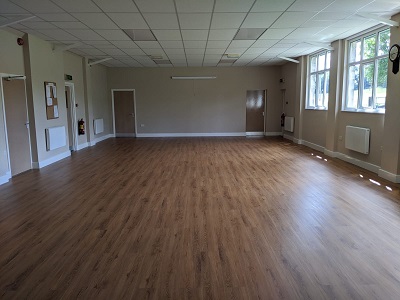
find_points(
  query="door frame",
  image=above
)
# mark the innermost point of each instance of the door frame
(72, 107)
(256, 133)
(14, 77)
(134, 107)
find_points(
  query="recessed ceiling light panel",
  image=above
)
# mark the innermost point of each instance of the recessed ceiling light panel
(249, 33)
(140, 34)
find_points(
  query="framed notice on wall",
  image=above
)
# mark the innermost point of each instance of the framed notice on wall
(50, 89)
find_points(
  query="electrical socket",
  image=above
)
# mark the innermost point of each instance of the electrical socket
(340, 138)
(141, 125)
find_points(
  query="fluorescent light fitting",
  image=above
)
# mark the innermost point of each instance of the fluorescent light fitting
(193, 77)
(156, 57)
(236, 56)
(61, 48)
(249, 33)
(289, 59)
(322, 45)
(379, 19)
(92, 63)
(15, 20)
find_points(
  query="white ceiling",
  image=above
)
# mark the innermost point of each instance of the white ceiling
(194, 32)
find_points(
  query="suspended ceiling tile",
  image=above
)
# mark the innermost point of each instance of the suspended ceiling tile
(148, 44)
(292, 19)
(95, 20)
(168, 35)
(38, 25)
(227, 20)
(260, 20)
(264, 43)
(172, 44)
(58, 34)
(125, 44)
(241, 43)
(42, 35)
(6, 7)
(233, 5)
(218, 44)
(116, 5)
(255, 51)
(239, 51)
(175, 51)
(195, 44)
(268, 6)
(155, 52)
(195, 51)
(161, 21)
(194, 35)
(128, 20)
(77, 5)
(215, 51)
(93, 52)
(85, 34)
(329, 16)
(39, 6)
(70, 25)
(310, 5)
(222, 34)
(194, 21)
(57, 17)
(346, 6)
(162, 6)
(276, 33)
(131, 51)
(203, 6)
(113, 35)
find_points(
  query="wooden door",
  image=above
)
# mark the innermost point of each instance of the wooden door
(17, 126)
(255, 111)
(124, 113)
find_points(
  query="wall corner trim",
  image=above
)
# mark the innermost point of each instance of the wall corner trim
(51, 160)
(5, 178)
(389, 176)
(82, 146)
(100, 139)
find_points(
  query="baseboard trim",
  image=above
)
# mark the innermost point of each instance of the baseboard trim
(51, 160)
(100, 139)
(330, 153)
(359, 163)
(254, 133)
(5, 178)
(313, 146)
(125, 135)
(212, 134)
(273, 134)
(288, 137)
(389, 176)
(82, 146)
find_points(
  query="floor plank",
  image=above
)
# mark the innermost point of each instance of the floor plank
(202, 218)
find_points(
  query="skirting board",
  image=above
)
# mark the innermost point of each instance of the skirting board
(389, 176)
(154, 135)
(51, 160)
(5, 178)
(255, 133)
(82, 146)
(100, 139)
(273, 134)
(125, 135)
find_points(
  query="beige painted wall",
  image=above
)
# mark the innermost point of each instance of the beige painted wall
(101, 103)
(314, 126)
(289, 74)
(11, 62)
(73, 66)
(45, 65)
(198, 106)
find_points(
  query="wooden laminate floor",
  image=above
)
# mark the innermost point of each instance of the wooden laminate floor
(204, 218)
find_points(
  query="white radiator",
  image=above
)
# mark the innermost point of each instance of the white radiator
(289, 124)
(98, 125)
(357, 139)
(55, 138)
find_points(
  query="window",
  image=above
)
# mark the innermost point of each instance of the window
(367, 72)
(318, 80)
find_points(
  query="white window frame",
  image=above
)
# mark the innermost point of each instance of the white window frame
(361, 63)
(317, 72)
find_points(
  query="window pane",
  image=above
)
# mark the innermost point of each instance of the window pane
(355, 51)
(313, 63)
(321, 62)
(328, 61)
(381, 83)
(352, 92)
(313, 90)
(321, 86)
(326, 95)
(384, 40)
(367, 97)
(369, 47)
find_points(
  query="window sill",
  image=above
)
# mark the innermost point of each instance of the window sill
(380, 111)
(316, 108)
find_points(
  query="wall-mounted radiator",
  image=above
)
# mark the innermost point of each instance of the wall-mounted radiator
(98, 125)
(55, 138)
(289, 124)
(357, 139)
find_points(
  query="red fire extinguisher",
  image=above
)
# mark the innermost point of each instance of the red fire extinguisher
(283, 120)
(81, 127)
